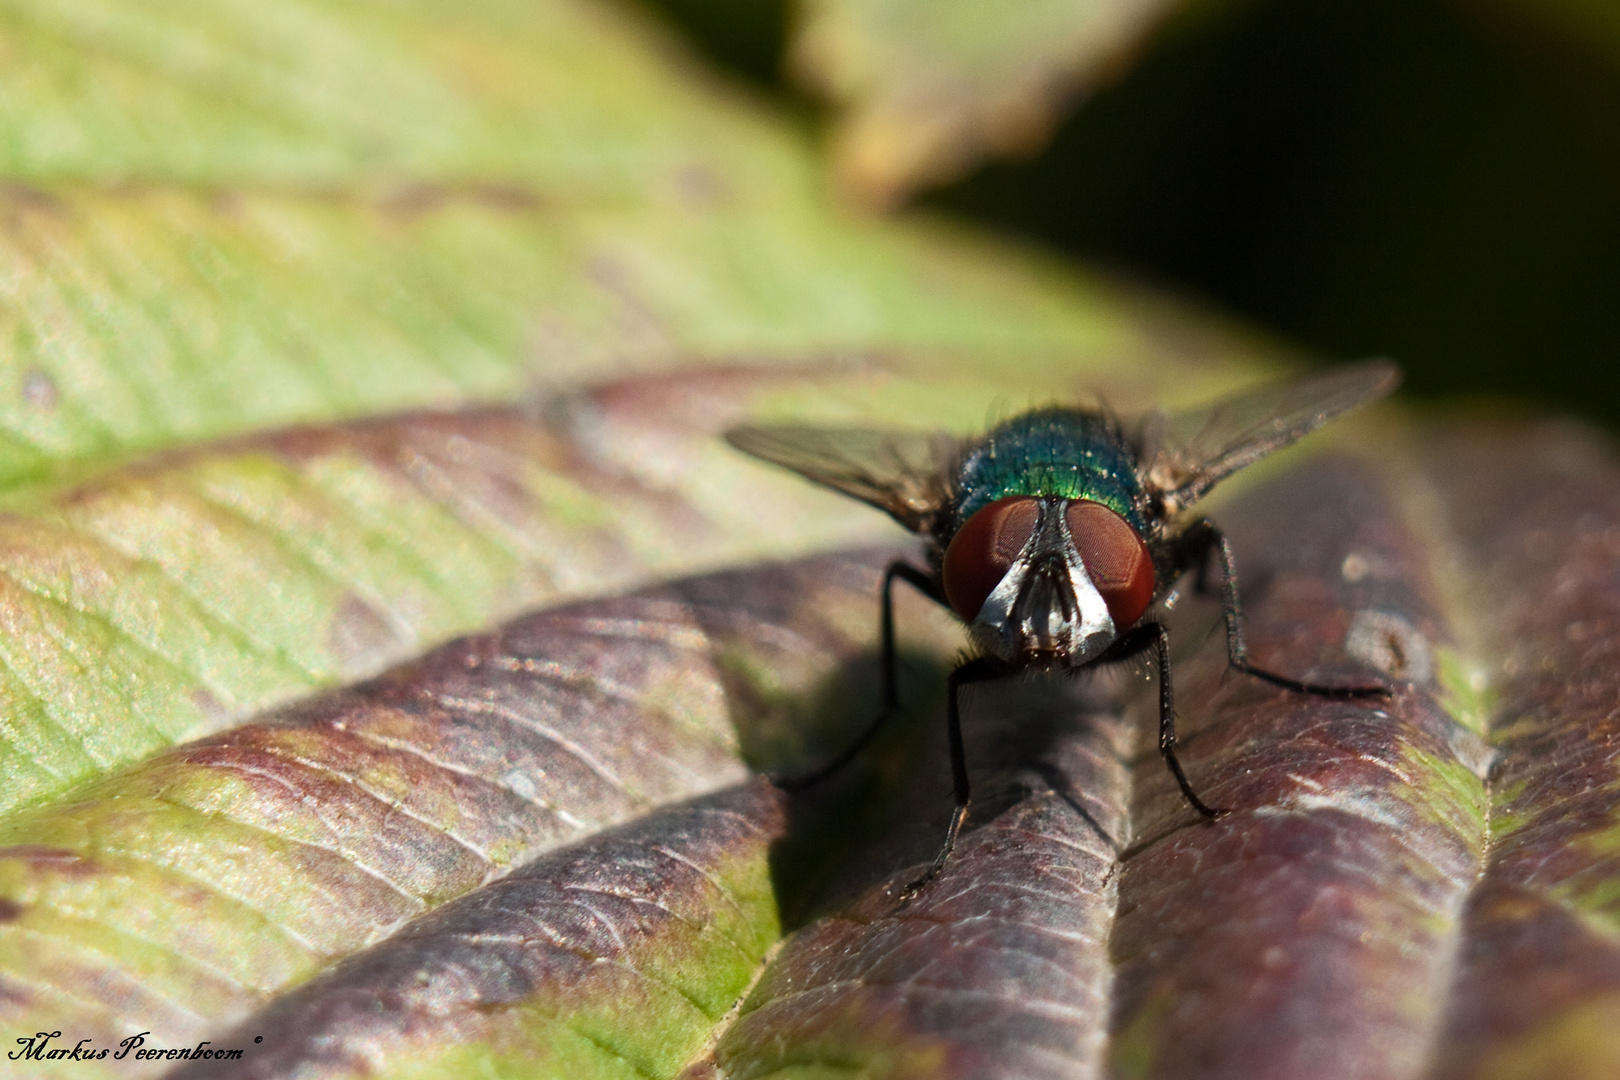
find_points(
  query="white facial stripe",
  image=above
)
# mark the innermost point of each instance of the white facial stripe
(998, 606)
(1096, 631)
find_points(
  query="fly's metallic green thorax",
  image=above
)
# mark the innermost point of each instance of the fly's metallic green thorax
(1066, 453)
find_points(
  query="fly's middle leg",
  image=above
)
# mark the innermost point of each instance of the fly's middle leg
(1191, 551)
(923, 582)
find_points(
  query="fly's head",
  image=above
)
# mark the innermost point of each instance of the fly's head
(1047, 581)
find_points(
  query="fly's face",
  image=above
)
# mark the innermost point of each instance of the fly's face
(1047, 581)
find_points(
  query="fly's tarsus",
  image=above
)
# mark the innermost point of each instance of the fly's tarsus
(1338, 693)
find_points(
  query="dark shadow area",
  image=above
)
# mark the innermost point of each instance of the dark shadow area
(839, 823)
(748, 39)
(1386, 177)
(879, 820)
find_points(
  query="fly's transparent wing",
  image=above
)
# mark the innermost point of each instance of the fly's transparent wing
(906, 473)
(1185, 454)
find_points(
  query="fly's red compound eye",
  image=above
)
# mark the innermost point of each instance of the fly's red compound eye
(983, 550)
(1116, 558)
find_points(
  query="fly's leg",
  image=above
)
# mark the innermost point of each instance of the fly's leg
(974, 671)
(1192, 551)
(924, 583)
(1152, 635)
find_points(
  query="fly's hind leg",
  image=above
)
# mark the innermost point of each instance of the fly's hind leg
(1191, 551)
(923, 582)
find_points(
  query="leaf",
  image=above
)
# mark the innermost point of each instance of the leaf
(377, 538)
(1536, 513)
(615, 957)
(219, 581)
(1341, 920)
(1000, 966)
(1370, 905)
(340, 213)
(1096, 924)
(190, 889)
(218, 221)
(929, 88)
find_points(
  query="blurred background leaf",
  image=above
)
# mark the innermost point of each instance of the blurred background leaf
(925, 89)
(1426, 179)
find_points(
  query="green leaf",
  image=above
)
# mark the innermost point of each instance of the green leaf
(218, 223)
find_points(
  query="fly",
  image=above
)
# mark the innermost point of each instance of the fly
(1057, 537)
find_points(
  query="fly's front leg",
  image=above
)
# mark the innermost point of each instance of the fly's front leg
(1191, 551)
(1152, 635)
(924, 583)
(982, 669)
